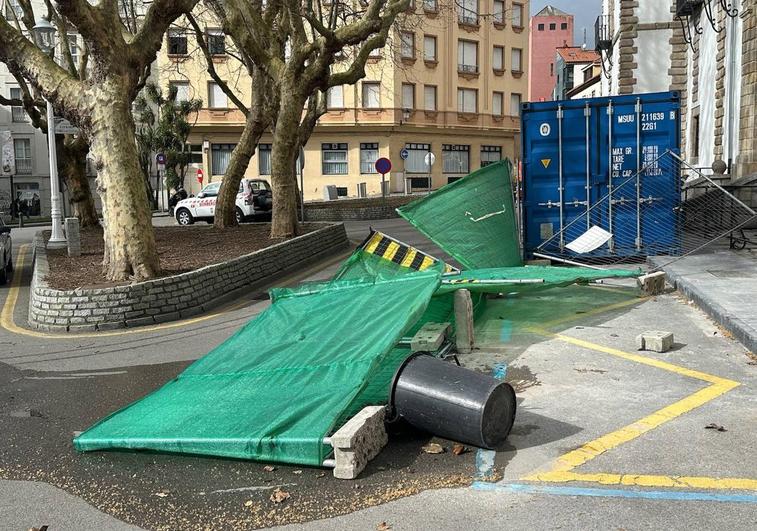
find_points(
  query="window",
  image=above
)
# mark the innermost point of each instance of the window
(455, 158)
(17, 113)
(563, 25)
(467, 57)
(220, 155)
(195, 153)
(371, 97)
(515, 64)
(429, 97)
(10, 7)
(22, 151)
(540, 27)
(416, 155)
(429, 48)
(552, 27)
(264, 159)
(368, 157)
(216, 97)
(467, 100)
(408, 96)
(467, 12)
(211, 190)
(407, 44)
(694, 134)
(181, 88)
(551, 69)
(498, 99)
(177, 42)
(499, 11)
(490, 154)
(335, 97)
(517, 15)
(515, 104)
(430, 6)
(498, 58)
(73, 48)
(334, 159)
(216, 42)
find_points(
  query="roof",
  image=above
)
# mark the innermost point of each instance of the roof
(552, 11)
(576, 54)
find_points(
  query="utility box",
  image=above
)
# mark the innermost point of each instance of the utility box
(581, 159)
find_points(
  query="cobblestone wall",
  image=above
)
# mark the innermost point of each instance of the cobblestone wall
(356, 209)
(170, 298)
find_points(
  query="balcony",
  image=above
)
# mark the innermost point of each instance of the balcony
(467, 69)
(686, 8)
(467, 18)
(602, 36)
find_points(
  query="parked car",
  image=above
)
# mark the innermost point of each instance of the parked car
(6, 260)
(253, 198)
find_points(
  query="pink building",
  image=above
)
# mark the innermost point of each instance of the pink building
(550, 28)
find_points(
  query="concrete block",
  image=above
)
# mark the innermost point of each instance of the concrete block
(429, 338)
(358, 441)
(463, 321)
(655, 340)
(73, 237)
(653, 283)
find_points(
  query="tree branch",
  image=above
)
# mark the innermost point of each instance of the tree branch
(146, 43)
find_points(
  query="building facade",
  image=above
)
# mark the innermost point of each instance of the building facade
(589, 84)
(570, 68)
(704, 49)
(450, 82)
(549, 29)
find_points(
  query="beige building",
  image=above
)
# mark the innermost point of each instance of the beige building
(450, 81)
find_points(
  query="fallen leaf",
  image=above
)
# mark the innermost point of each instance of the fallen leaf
(459, 449)
(383, 526)
(713, 426)
(322, 474)
(279, 495)
(248, 503)
(433, 448)
(161, 494)
(298, 472)
(269, 468)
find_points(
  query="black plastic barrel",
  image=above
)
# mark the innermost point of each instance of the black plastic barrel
(453, 402)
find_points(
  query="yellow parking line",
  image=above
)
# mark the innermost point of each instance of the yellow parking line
(563, 466)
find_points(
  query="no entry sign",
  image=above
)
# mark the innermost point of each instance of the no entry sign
(199, 175)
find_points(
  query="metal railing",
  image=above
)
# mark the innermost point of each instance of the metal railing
(467, 69)
(468, 17)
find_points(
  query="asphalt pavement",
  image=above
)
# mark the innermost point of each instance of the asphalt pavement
(605, 437)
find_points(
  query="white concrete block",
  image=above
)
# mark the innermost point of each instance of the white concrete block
(358, 441)
(653, 283)
(655, 340)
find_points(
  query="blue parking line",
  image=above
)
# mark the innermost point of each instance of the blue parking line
(485, 458)
(674, 495)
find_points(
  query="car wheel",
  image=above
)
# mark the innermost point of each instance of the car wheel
(239, 215)
(184, 217)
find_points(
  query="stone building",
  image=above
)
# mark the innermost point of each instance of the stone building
(706, 50)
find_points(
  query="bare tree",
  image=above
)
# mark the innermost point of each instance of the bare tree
(119, 59)
(294, 44)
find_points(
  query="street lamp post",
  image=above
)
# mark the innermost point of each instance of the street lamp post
(44, 37)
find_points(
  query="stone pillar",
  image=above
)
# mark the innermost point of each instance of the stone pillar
(73, 237)
(463, 321)
(746, 161)
(679, 72)
(627, 51)
(720, 77)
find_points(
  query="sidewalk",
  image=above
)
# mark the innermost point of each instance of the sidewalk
(723, 284)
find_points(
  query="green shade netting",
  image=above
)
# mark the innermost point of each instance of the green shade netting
(472, 219)
(271, 392)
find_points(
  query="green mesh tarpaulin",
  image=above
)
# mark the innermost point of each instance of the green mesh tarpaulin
(472, 219)
(285, 380)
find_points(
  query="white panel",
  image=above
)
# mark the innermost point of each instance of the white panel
(653, 60)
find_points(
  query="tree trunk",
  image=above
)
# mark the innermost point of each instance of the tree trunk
(240, 159)
(283, 158)
(130, 250)
(72, 155)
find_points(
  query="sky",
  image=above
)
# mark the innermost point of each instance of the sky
(584, 12)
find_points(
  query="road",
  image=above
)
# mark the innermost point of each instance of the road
(605, 437)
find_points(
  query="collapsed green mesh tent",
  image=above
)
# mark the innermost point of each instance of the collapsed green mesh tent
(271, 392)
(471, 219)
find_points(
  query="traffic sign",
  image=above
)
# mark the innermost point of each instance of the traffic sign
(160, 158)
(404, 153)
(383, 165)
(429, 159)
(64, 127)
(199, 175)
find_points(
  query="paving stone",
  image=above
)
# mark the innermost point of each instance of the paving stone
(655, 340)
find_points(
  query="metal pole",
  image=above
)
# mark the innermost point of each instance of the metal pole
(56, 238)
(638, 174)
(564, 261)
(611, 242)
(302, 190)
(587, 113)
(560, 178)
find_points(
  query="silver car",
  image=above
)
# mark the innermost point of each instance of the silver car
(6, 261)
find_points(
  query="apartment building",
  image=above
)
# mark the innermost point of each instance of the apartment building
(449, 82)
(570, 67)
(550, 28)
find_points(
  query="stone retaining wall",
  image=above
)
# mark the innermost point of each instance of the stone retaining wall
(170, 298)
(356, 209)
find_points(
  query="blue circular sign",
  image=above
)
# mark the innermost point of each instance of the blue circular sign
(383, 165)
(404, 153)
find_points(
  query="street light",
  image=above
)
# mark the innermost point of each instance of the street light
(44, 37)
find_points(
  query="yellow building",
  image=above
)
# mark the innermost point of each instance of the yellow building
(450, 82)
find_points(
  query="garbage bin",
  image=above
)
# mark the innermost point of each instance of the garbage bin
(453, 402)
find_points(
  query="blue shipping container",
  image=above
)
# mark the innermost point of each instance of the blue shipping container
(574, 150)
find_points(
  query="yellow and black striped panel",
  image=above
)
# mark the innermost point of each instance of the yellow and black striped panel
(381, 245)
